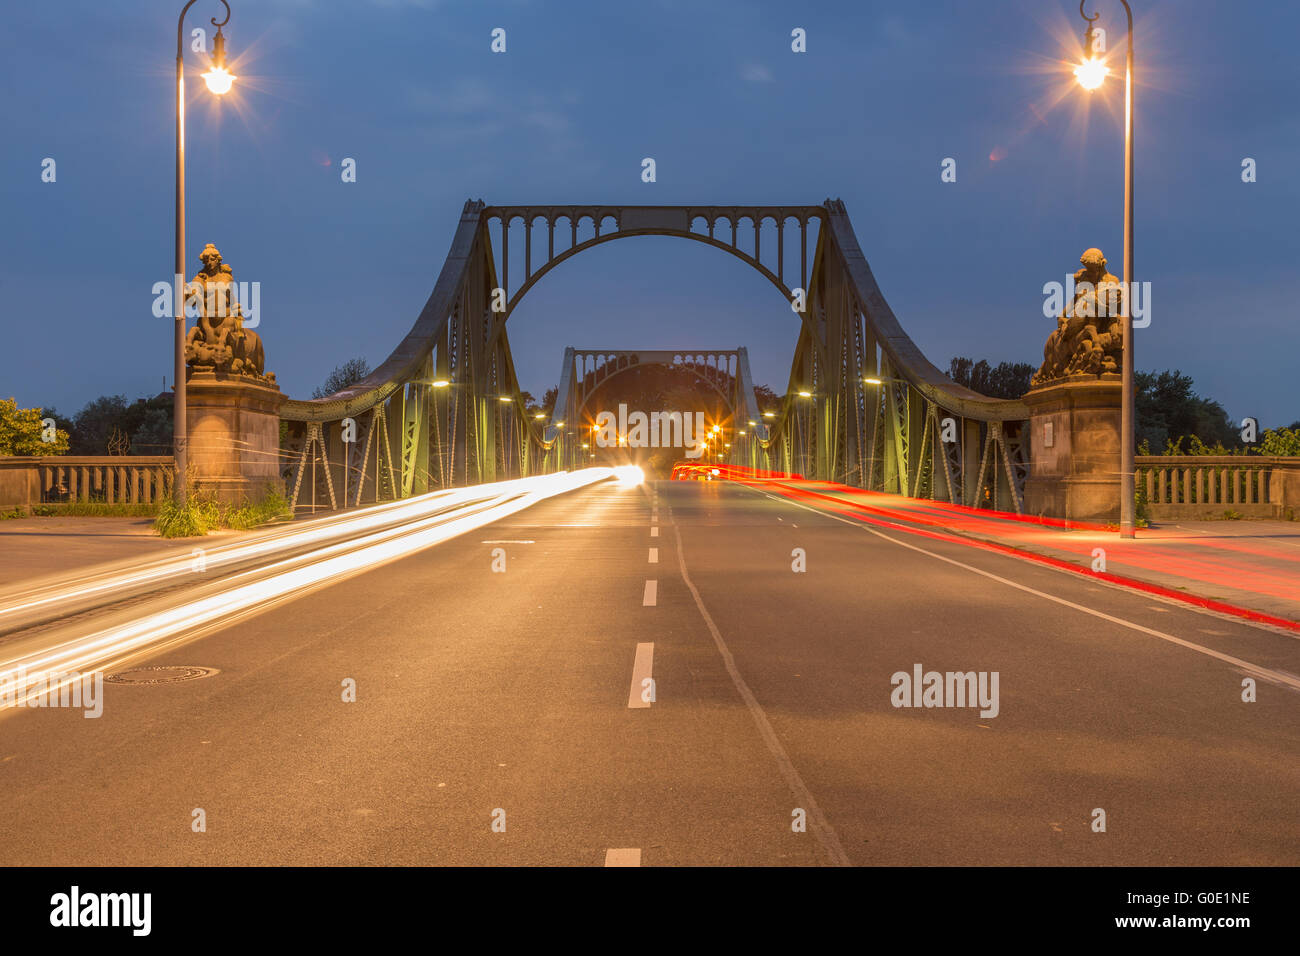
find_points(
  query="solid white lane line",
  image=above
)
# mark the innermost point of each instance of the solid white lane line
(821, 827)
(654, 532)
(654, 555)
(626, 857)
(639, 693)
(1280, 677)
(651, 596)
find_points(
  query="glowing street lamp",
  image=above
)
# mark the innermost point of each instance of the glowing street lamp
(219, 80)
(1091, 74)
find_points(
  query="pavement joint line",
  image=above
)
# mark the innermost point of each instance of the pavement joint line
(623, 857)
(651, 596)
(817, 821)
(654, 556)
(1275, 676)
(642, 671)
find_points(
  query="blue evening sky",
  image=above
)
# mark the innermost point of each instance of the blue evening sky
(584, 91)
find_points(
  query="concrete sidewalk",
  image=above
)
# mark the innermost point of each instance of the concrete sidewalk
(32, 548)
(1251, 564)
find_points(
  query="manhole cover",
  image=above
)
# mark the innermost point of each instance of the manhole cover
(163, 674)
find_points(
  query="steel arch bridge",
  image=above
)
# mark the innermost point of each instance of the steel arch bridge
(726, 371)
(863, 405)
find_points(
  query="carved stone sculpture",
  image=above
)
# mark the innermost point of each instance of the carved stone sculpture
(1089, 335)
(218, 341)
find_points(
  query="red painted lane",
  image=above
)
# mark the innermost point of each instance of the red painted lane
(892, 518)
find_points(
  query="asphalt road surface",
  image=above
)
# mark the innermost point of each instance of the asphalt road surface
(505, 716)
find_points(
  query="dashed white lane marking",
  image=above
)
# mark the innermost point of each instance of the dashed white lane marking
(654, 555)
(504, 541)
(651, 596)
(654, 532)
(639, 694)
(1280, 677)
(821, 827)
(624, 857)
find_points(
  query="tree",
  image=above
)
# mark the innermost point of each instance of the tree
(768, 400)
(111, 425)
(154, 435)
(21, 431)
(96, 423)
(1281, 441)
(349, 373)
(1007, 380)
(549, 398)
(61, 422)
(1168, 409)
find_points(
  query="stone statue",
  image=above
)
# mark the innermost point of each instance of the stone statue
(1089, 335)
(219, 340)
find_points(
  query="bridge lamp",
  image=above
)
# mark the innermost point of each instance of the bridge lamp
(506, 398)
(805, 394)
(440, 383)
(585, 445)
(220, 82)
(769, 414)
(874, 381)
(741, 432)
(1090, 74)
(219, 79)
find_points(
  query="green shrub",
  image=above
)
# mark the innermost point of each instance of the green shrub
(16, 513)
(203, 513)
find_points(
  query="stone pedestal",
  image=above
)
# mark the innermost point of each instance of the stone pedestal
(234, 435)
(1074, 445)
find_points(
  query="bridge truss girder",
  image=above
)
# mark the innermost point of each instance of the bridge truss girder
(448, 398)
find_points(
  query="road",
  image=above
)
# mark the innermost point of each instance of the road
(493, 722)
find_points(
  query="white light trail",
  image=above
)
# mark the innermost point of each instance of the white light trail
(427, 523)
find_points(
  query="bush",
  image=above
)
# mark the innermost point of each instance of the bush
(203, 513)
(16, 513)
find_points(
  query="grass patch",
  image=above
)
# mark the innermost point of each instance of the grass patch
(16, 513)
(94, 509)
(1230, 515)
(203, 513)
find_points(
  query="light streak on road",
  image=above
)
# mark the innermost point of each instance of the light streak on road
(67, 593)
(426, 521)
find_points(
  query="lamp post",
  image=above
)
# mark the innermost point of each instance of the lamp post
(1091, 72)
(218, 81)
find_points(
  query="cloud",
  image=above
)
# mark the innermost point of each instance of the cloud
(756, 73)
